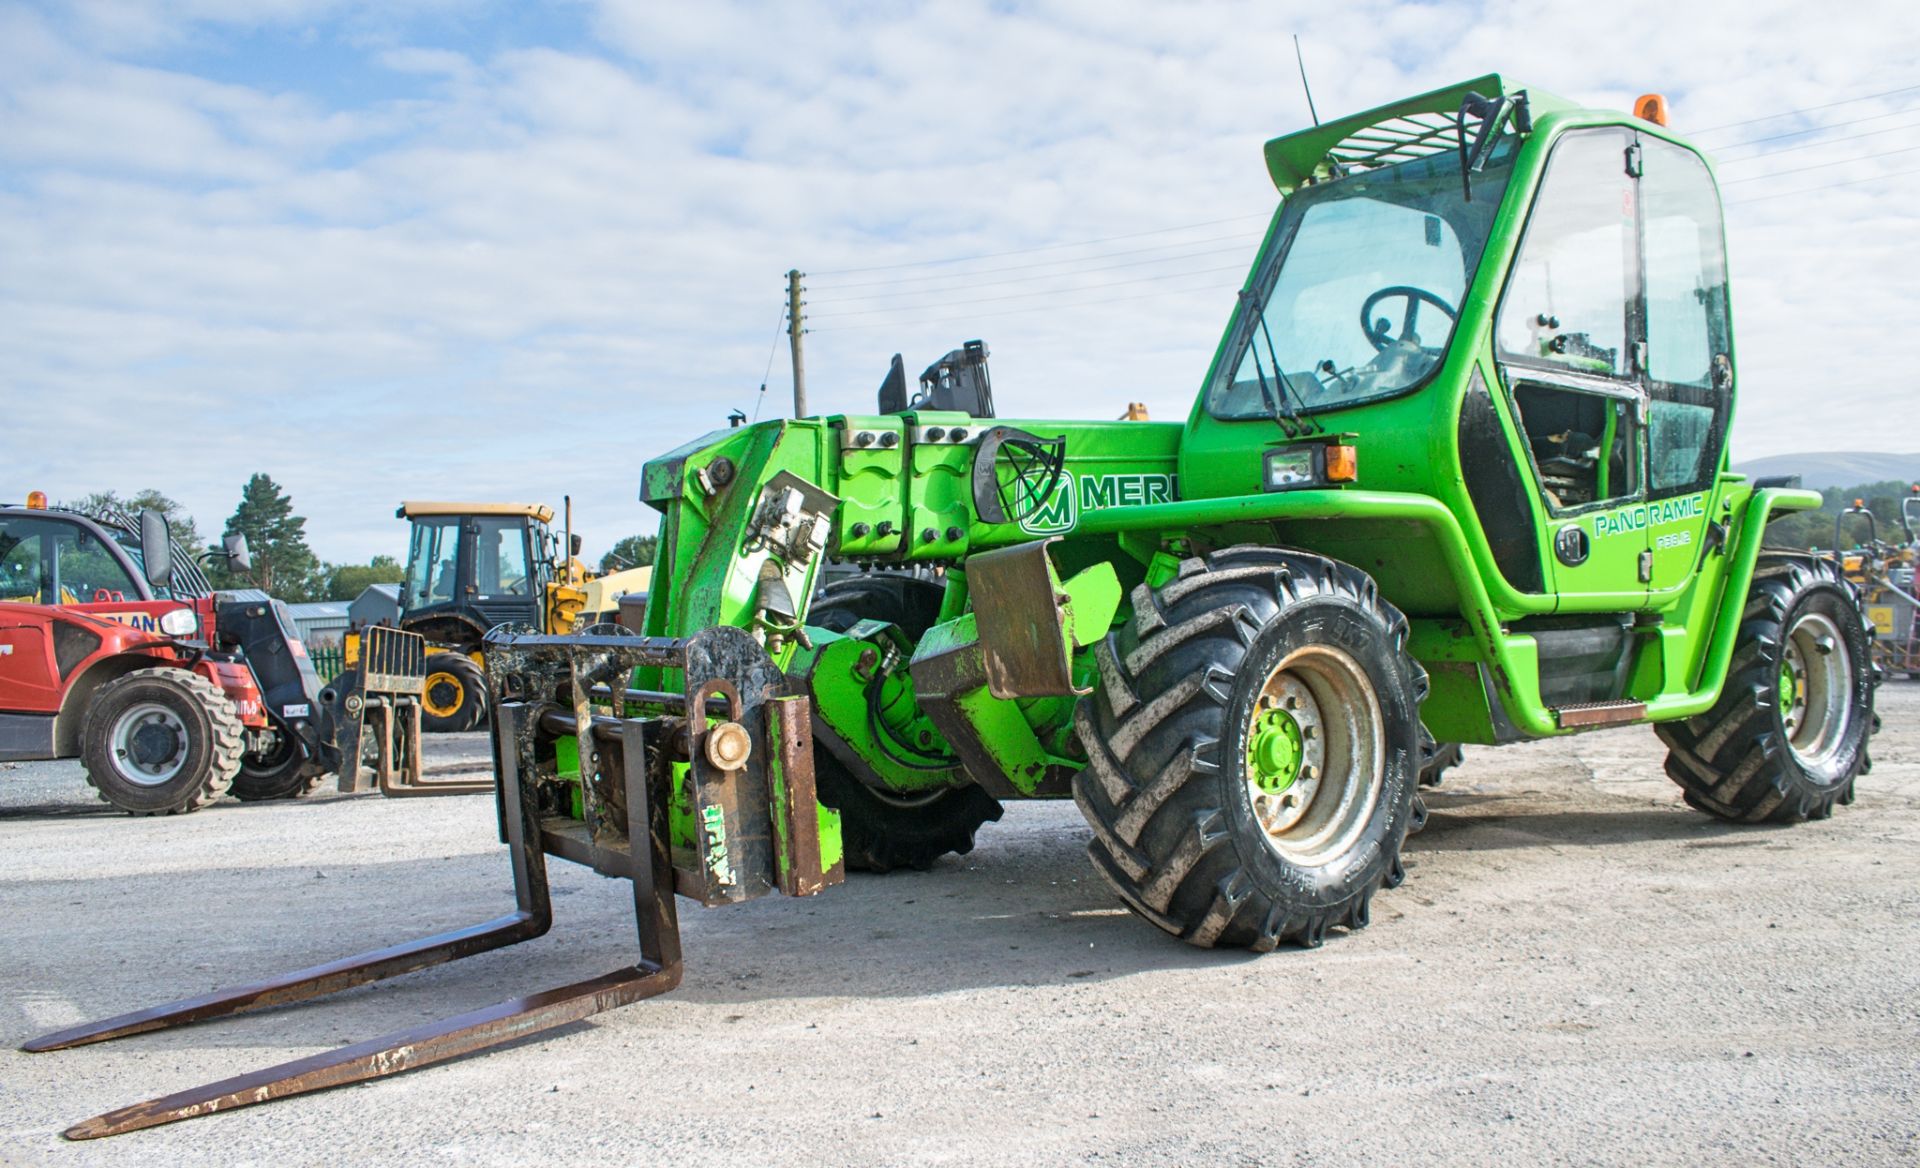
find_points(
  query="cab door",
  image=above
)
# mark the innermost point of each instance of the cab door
(1565, 342)
(500, 580)
(1688, 351)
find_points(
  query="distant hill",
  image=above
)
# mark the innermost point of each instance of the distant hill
(1818, 472)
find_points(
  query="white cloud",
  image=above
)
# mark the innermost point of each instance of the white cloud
(541, 266)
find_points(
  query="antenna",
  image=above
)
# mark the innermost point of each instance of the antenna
(1303, 79)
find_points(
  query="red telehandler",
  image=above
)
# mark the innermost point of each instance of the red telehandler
(115, 649)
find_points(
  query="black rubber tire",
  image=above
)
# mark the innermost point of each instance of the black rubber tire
(880, 834)
(467, 699)
(1735, 761)
(213, 733)
(912, 602)
(283, 772)
(1174, 829)
(1437, 758)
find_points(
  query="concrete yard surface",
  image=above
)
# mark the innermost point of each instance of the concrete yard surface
(1579, 969)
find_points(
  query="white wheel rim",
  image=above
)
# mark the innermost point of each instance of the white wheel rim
(1341, 769)
(150, 745)
(1819, 670)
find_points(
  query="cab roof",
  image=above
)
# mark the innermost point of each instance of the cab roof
(1412, 127)
(417, 507)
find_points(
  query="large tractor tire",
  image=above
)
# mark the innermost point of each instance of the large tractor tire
(281, 771)
(882, 831)
(1253, 749)
(161, 741)
(1788, 736)
(455, 697)
(912, 602)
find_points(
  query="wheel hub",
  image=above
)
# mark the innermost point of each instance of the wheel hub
(1273, 753)
(149, 744)
(443, 695)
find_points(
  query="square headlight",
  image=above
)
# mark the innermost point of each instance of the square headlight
(1292, 466)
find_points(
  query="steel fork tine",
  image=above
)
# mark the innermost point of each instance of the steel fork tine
(533, 917)
(656, 973)
(403, 1050)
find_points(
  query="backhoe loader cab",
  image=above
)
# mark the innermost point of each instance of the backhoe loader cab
(1457, 473)
(471, 566)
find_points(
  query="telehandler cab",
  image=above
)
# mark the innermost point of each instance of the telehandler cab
(1457, 473)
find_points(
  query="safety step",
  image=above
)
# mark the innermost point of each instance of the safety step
(1599, 713)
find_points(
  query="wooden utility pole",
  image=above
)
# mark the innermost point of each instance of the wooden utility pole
(795, 330)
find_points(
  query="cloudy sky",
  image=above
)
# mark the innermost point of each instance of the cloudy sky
(498, 250)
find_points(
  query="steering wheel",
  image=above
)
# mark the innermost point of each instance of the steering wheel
(1377, 334)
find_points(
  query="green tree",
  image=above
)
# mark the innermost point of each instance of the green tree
(348, 581)
(185, 531)
(635, 551)
(283, 565)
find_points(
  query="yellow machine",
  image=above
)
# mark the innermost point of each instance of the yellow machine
(1884, 573)
(474, 566)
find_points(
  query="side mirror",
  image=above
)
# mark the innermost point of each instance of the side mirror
(156, 548)
(234, 547)
(578, 542)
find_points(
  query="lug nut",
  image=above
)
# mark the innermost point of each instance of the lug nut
(936, 433)
(889, 440)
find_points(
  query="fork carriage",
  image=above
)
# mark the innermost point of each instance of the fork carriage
(602, 798)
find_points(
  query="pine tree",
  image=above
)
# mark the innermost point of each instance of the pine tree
(283, 565)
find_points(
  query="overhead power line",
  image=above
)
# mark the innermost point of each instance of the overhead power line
(1031, 295)
(1824, 187)
(1809, 109)
(1016, 311)
(1035, 250)
(1828, 128)
(1821, 166)
(1823, 142)
(1071, 267)
(1241, 237)
(1239, 248)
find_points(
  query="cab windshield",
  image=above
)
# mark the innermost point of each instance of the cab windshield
(1359, 297)
(49, 560)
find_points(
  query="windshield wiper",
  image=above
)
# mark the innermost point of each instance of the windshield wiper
(1303, 414)
(1277, 407)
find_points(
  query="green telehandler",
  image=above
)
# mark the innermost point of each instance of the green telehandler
(1457, 474)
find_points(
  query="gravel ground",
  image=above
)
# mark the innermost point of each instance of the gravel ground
(1578, 969)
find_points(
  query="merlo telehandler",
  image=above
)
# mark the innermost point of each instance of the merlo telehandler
(1457, 473)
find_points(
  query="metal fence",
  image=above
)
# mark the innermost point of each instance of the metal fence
(328, 662)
